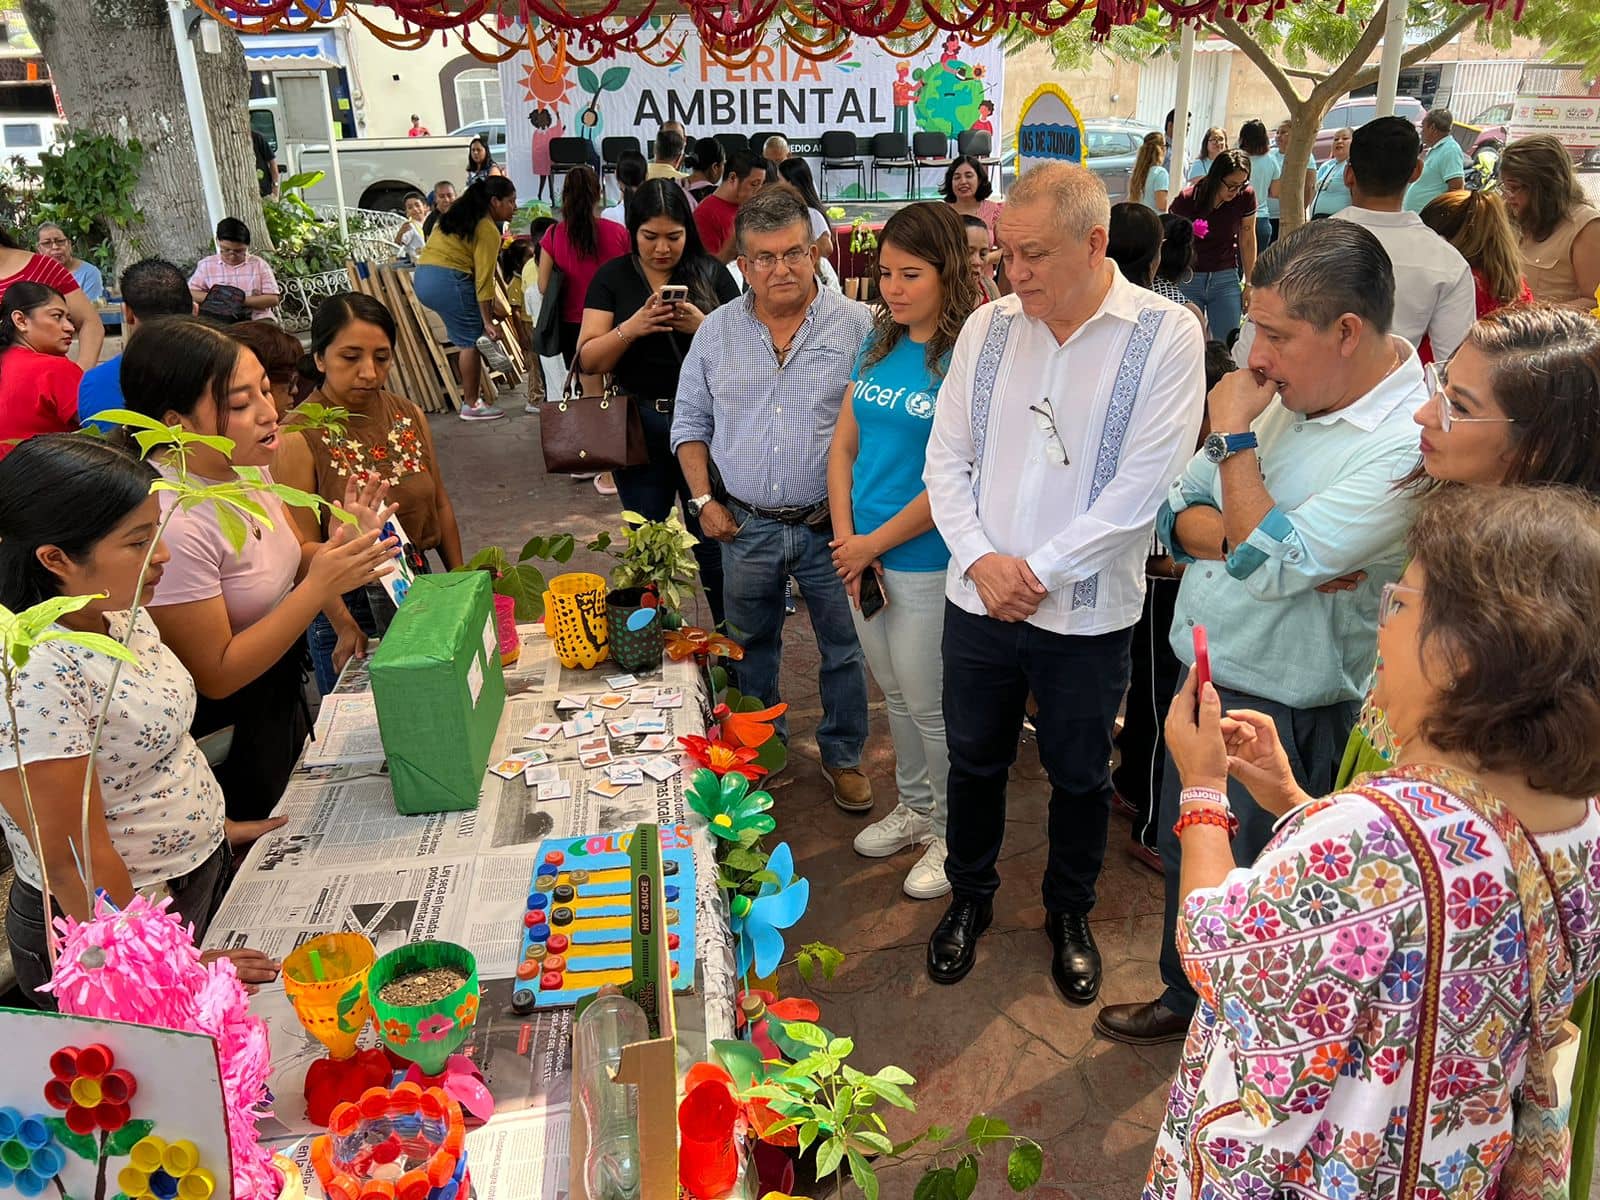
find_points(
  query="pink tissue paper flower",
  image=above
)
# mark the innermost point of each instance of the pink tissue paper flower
(1201, 227)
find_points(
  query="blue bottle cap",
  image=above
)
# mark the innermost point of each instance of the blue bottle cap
(537, 900)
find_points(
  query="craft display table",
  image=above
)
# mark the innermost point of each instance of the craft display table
(347, 862)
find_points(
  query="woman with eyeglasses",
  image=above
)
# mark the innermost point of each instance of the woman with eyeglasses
(1383, 991)
(1214, 143)
(1222, 207)
(883, 526)
(1559, 227)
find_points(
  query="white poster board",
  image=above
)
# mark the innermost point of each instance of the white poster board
(1575, 120)
(949, 88)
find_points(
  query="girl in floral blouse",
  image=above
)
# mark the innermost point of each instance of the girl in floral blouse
(77, 519)
(1383, 991)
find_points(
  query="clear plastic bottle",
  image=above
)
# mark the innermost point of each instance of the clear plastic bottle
(610, 1110)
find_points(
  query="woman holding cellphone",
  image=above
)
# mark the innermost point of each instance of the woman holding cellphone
(882, 523)
(641, 312)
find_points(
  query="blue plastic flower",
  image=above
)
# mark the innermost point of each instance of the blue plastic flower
(29, 1155)
(757, 920)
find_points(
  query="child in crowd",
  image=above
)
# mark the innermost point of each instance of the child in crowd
(545, 382)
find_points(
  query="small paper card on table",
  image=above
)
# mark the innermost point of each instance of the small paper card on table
(624, 773)
(557, 789)
(643, 695)
(622, 728)
(578, 726)
(617, 682)
(669, 698)
(661, 767)
(604, 787)
(509, 768)
(654, 743)
(650, 725)
(541, 773)
(610, 700)
(543, 731)
(571, 703)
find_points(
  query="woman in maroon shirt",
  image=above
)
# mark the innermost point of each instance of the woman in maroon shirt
(1222, 206)
(38, 382)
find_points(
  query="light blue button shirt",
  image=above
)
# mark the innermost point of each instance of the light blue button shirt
(1274, 203)
(1332, 194)
(1442, 163)
(1336, 510)
(769, 427)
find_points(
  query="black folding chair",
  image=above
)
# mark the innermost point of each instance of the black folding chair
(976, 143)
(840, 152)
(565, 154)
(611, 151)
(930, 150)
(892, 152)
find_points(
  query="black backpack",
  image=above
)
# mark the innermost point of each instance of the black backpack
(225, 303)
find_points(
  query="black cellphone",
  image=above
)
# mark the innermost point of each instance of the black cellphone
(872, 597)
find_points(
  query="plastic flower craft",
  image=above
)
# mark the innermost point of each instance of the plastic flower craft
(87, 1086)
(29, 1155)
(158, 1170)
(700, 645)
(756, 921)
(397, 1033)
(753, 729)
(728, 805)
(721, 758)
(434, 1028)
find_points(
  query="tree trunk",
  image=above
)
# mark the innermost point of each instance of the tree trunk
(116, 68)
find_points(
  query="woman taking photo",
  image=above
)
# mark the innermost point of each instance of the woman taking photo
(237, 619)
(1149, 183)
(968, 191)
(629, 333)
(883, 533)
(1226, 203)
(38, 382)
(1476, 224)
(1215, 142)
(1559, 229)
(77, 519)
(1381, 991)
(455, 277)
(480, 162)
(387, 440)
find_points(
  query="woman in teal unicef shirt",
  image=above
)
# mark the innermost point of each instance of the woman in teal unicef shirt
(882, 522)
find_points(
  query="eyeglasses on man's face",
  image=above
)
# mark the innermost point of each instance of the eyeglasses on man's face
(791, 259)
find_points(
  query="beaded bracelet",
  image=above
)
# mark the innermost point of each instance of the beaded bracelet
(1207, 815)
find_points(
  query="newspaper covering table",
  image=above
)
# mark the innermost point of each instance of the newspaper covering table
(348, 862)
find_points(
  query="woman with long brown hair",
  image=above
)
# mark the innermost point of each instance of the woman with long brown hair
(1476, 224)
(1150, 182)
(1560, 229)
(884, 538)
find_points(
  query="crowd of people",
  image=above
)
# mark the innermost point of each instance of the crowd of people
(1065, 441)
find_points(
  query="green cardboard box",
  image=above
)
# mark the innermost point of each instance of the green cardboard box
(439, 690)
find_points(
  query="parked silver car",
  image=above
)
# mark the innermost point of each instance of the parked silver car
(1110, 146)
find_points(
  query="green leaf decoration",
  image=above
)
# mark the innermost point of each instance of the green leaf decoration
(526, 586)
(614, 80)
(828, 1157)
(808, 1134)
(232, 527)
(133, 420)
(347, 1004)
(98, 642)
(806, 1034)
(81, 1144)
(966, 1176)
(1024, 1166)
(841, 1047)
(891, 1073)
(874, 1141)
(587, 80)
(790, 1047)
(935, 1133)
(890, 1092)
(126, 1138)
(983, 1129)
(806, 965)
(774, 755)
(740, 1059)
(865, 1177)
(34, 621)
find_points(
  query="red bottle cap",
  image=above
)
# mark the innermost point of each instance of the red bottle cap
(558, 943)
(551, 981)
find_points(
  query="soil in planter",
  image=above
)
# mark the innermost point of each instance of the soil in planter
(421, 987)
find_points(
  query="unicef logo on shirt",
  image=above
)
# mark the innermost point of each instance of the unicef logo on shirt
(920, 404)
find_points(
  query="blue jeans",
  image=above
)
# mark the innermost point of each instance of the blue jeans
(899, 642)
(1216, 293)
(990, 666)
(1264, 232)
(754, 566)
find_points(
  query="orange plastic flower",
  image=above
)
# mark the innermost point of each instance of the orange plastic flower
(753, 729)
(700, 644)
(720, 757)
(397, 1033)
(467, 1010)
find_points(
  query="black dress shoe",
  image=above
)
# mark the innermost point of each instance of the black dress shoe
(1141, 1024)
(1075, 965)
(954, 945)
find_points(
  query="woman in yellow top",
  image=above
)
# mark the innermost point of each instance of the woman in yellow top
(455, 277)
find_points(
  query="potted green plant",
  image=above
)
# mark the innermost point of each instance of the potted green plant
(656, 569)
(518, 585)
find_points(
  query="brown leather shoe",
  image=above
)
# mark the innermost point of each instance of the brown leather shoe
(852, 791)
(1141, 1024)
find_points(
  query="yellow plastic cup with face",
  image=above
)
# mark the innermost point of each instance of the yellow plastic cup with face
(180, 1158)
(146, 1154)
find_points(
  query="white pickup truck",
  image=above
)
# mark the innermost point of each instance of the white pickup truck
(378, 172)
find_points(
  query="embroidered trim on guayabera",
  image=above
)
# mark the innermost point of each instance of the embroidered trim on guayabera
(994, 349)
(1119, 413)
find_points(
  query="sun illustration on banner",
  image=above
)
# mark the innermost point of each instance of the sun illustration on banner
(546, 86)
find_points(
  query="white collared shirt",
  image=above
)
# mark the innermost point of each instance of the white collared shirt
(1127, 390)
(1433, 292)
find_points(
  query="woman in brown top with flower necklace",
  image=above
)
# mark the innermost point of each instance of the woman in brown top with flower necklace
(352, 346)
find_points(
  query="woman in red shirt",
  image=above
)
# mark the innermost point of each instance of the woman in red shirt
(38, 382)
(24, 266)
(1477, 224)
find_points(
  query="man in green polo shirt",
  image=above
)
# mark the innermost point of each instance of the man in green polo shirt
(1443, 165)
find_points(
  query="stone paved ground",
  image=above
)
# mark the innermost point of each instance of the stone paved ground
(1002, 1041)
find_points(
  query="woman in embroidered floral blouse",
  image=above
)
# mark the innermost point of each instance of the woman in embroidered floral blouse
(387, 438)
(77, 519)
(1383, 991)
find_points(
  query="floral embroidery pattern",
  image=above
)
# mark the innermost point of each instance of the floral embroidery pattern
(1313, 974)
(400, 455)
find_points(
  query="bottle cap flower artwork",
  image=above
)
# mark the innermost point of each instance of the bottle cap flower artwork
(159, 1170)
(404, 1143)
(29, 1154)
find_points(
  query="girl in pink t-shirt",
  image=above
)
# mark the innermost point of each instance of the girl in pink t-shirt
(237, 618)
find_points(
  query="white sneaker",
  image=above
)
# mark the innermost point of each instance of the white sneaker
(926, 880)
(530, 407)
(494, 354)
(901, 828)
(480, 412)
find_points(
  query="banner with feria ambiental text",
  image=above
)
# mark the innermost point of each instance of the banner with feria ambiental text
(948, 88)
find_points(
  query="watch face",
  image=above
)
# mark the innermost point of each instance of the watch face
(1216, 447)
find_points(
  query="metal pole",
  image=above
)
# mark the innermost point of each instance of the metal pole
(1180, 106)
(1394, 45)
(333, 158)
(195, 101)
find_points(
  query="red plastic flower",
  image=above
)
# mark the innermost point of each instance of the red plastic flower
(720, 758)
(434, 1028)
(89, 1088)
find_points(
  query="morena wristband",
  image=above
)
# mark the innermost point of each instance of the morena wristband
(1198, 795)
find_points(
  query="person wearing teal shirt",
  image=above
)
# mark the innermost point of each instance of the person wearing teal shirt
(883, 524)
(1332, 193)
(1444, 167)
(1285, 188)
(1265, 170)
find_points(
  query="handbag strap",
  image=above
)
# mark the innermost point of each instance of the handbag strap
(1536, 1165)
